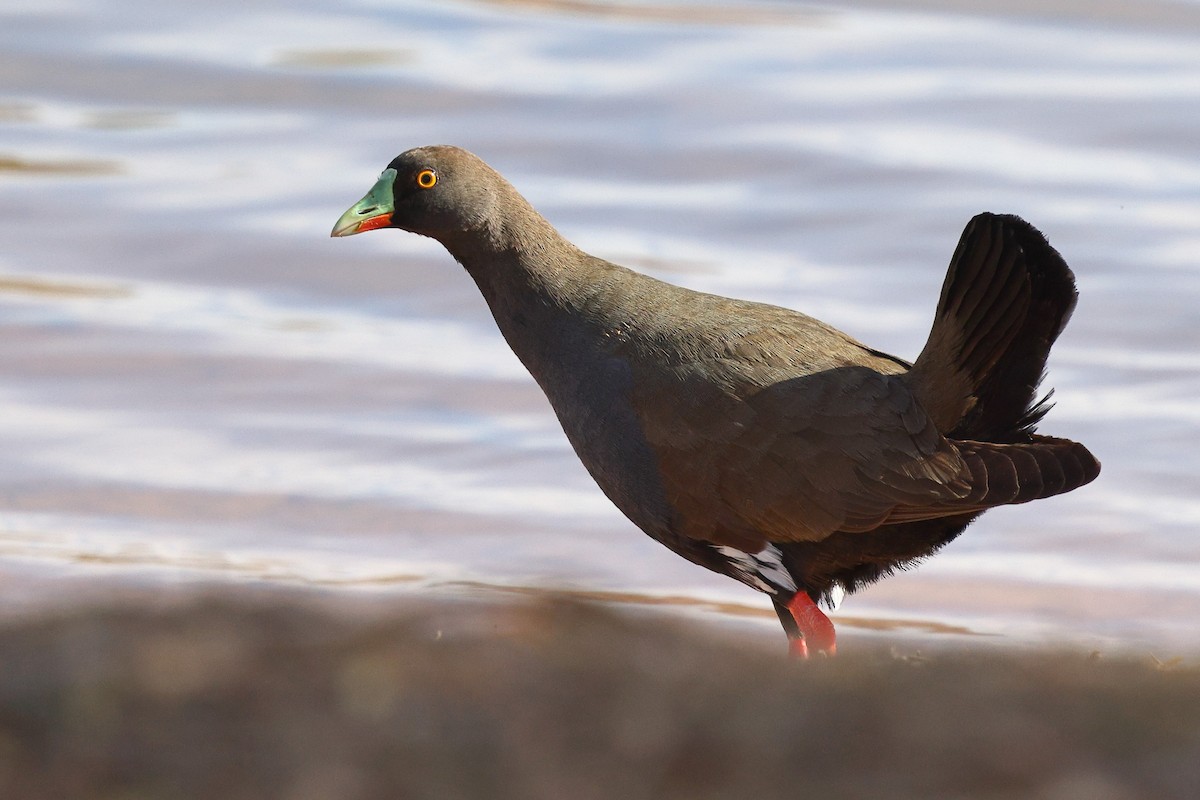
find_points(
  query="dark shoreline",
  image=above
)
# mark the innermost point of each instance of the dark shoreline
(275, 694)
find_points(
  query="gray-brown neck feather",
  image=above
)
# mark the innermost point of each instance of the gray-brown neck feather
(540, 288)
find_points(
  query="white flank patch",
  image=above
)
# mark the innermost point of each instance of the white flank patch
(763, 570)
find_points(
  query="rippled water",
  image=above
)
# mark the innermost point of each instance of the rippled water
(197, 383)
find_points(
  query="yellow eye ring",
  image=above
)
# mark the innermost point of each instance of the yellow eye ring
(426, 178)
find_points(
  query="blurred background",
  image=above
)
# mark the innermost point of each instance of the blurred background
(197, 384)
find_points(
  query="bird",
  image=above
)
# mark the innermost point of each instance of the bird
(751, 439)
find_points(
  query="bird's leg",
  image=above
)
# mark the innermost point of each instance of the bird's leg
(797, 647)
(816, 631)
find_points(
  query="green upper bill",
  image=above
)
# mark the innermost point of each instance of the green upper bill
(373, 211)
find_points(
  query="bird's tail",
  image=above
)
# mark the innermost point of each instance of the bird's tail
(1007, 296)
(1006, 474)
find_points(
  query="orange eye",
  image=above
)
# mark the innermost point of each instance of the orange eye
(426, 178)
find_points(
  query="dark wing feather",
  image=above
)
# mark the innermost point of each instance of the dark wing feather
(847, 449)
(837, 450)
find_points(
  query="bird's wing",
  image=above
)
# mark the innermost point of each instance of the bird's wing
(841, 449)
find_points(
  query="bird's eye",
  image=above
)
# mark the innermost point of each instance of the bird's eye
(426, 178)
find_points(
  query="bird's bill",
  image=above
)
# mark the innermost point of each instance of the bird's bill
(373, 211)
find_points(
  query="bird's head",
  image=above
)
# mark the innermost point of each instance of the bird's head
(436, 191)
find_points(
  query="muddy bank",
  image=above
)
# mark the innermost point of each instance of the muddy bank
(274, 695)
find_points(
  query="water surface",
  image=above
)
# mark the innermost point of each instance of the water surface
(196, 383)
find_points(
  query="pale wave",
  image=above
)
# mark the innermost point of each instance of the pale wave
(245, 322)
(112, 446)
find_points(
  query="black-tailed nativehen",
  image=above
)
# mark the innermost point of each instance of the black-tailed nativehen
(751, 439)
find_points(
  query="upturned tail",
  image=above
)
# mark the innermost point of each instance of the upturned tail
(1007, 296)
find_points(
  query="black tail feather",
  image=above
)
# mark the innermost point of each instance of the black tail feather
(1006, 298)
(1004, 474)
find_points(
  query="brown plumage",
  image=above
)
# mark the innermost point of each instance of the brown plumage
(752, 439)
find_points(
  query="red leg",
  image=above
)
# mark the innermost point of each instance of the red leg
(797, 648)
(818, 632)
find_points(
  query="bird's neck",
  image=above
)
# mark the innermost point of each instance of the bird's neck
(544, 293)
(521, 263)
